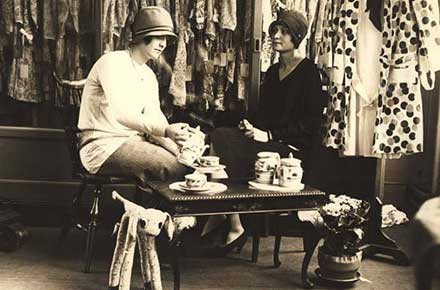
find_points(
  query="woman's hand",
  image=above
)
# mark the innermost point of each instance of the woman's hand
(178, 132)
(166, 143)
(251, 132)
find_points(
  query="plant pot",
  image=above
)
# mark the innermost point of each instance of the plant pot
(339, 268)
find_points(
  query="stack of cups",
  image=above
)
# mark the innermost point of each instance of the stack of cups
(266, 167)
(269, 168)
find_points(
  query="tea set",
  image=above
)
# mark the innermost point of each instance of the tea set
(271, 171)
(275, 173)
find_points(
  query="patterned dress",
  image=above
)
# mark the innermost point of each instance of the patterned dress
(409, 27)
(410, 42)
(338, 59)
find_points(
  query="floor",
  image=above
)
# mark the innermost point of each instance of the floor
(41, 265)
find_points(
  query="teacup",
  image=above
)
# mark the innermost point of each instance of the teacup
(266, 166)
(209, 161)
(195, 180)
(290, 172)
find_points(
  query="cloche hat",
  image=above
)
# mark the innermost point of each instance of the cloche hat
(152, 21)
(296, 22)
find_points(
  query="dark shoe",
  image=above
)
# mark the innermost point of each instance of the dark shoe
(147, 286)
(238, 244)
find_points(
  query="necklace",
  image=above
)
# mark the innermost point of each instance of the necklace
(137, 67)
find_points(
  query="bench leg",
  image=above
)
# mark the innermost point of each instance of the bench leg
(72, 219)
(91, 231)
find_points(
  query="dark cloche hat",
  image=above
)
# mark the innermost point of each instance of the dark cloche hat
(296, 22)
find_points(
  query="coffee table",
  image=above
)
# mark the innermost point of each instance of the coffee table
(238, 198)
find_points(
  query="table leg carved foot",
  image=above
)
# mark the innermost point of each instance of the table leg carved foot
(311, 240)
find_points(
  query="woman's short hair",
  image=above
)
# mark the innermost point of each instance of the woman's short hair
(295, 22)
(145, 40)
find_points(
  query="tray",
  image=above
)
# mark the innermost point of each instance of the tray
(274, 187)
(320, 276)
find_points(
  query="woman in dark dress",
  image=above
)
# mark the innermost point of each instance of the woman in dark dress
(288, 118)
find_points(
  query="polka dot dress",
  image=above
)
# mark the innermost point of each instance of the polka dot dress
(342, 30)
(410, 36)
(399, 118)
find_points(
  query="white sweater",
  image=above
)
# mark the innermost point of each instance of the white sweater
(120, 99)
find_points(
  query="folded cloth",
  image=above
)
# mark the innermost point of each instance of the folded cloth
(392, 216)
(311, 216)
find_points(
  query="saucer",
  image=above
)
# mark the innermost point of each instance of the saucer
(182, 185)
(209, 188)
(208, 169)
(275, 187)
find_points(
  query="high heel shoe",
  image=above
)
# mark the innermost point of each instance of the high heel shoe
(238, 244)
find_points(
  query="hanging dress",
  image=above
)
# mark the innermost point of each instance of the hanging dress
(364, 89)
(408, 27)
(339, 60)
(23, 82)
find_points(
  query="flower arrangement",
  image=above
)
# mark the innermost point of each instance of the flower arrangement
(343, 218)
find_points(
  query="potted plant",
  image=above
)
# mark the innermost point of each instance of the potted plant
(343, 219)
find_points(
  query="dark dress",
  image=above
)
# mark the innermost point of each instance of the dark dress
(291, 109)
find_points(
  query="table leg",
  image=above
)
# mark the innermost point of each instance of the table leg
(276, 251)
(255, 238)
(311, 239)
(175, 261)
(255, 247)
(277, 245)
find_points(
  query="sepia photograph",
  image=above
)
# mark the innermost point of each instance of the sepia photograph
(219, 144)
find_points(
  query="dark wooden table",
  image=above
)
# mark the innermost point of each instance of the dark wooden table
(238, 198)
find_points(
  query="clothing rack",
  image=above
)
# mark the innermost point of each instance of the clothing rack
(436, 155)
(376, 241)
(254, 57)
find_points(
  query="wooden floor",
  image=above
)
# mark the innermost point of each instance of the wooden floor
(40, 265)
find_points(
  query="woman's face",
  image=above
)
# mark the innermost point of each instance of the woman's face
(155, 47)
(281, 38)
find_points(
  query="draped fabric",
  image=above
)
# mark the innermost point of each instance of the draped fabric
(39, 37)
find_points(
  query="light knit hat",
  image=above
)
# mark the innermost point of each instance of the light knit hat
(152, 21)
(295, 22)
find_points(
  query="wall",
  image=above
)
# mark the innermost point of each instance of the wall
(35, 173)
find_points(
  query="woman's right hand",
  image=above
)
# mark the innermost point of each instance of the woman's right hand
(178, 132)
(247, 128)
(252, 132)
